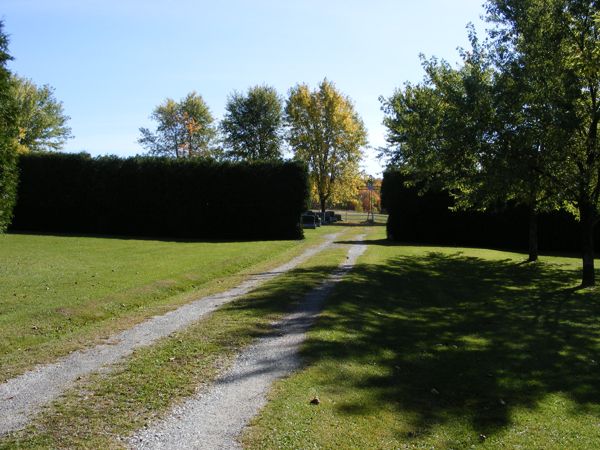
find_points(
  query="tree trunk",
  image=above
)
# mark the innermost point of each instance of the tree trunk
(323, 209)
(533, 234)
(587, 242)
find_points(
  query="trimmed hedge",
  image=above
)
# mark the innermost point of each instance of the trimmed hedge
(427, 219)
(158, 197)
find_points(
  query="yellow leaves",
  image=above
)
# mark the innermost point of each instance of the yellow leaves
(326, 132)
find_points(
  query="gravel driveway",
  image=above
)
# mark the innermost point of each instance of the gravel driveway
(215, 417)
(21, 397)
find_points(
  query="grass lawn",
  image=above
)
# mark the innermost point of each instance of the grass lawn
(102, 408)
(60, 293)
(360, 217)
(427, 347)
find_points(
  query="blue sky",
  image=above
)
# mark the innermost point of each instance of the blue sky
(112, 62)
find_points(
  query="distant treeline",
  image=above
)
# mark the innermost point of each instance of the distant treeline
(427, 219)
(160, 197)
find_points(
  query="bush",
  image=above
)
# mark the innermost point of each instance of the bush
(8, 182)
(428, 219)
(159, 197)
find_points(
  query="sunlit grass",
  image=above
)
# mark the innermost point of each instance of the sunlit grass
(58, 293)
(427, 347)
(102, 409)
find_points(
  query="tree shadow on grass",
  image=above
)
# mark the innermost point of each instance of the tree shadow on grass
(460, 337)
(384, 242)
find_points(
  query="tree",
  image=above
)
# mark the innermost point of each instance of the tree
(529, 128)
(8, 134)
(518, 122)
(470, 131)
(185, 129)
(325, 132)
(440, 132)
(41, 120)
(558, 44)
(252, 126)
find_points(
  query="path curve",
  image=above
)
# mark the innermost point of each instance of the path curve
(214, 418)
(21, 397)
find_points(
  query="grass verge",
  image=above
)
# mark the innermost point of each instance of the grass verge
(103, 407)
(61, 293)
(426, 347)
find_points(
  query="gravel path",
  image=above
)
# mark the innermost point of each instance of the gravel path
(21, 397)
(214, 418)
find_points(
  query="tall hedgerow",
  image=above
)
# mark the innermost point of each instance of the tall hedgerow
(8, 134)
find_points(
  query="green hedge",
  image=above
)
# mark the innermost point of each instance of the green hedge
(427, 219)
(158, 197)
(8, 182)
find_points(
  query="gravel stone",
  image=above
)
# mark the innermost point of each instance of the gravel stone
(215, 417)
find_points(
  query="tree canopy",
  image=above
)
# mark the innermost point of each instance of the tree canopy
(41, 122)
(325, 131)
(252, 125)
(8, 134)
(517, 121)
(184, 129)
(554, 47)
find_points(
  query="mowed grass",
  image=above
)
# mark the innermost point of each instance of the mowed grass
(101, 410)
(354, 217)
(446, 348)
(59, 293)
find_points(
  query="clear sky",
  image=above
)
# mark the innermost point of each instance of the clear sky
(111, 62)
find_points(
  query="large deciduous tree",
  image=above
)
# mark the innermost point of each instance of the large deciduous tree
(41, 121)
(184, 129)
(8, 134)
(470, 130)
(325, 131)
(440, 132)
(556, 43)
(252, 125)
(518, 121)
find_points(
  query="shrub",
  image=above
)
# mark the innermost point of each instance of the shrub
(427, 219)
(160, 197)
(8, 182)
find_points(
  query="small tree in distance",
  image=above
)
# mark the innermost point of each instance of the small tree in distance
(41, 121)
(252, 126)
(185, 129)
(325, 132)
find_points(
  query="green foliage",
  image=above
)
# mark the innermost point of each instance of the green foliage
(327, 134)
(8, 134)
(556, 43)
(252, 125)
(185, 129)
(442, 132)
(41, 121)
(517, 122)
(146, 196)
